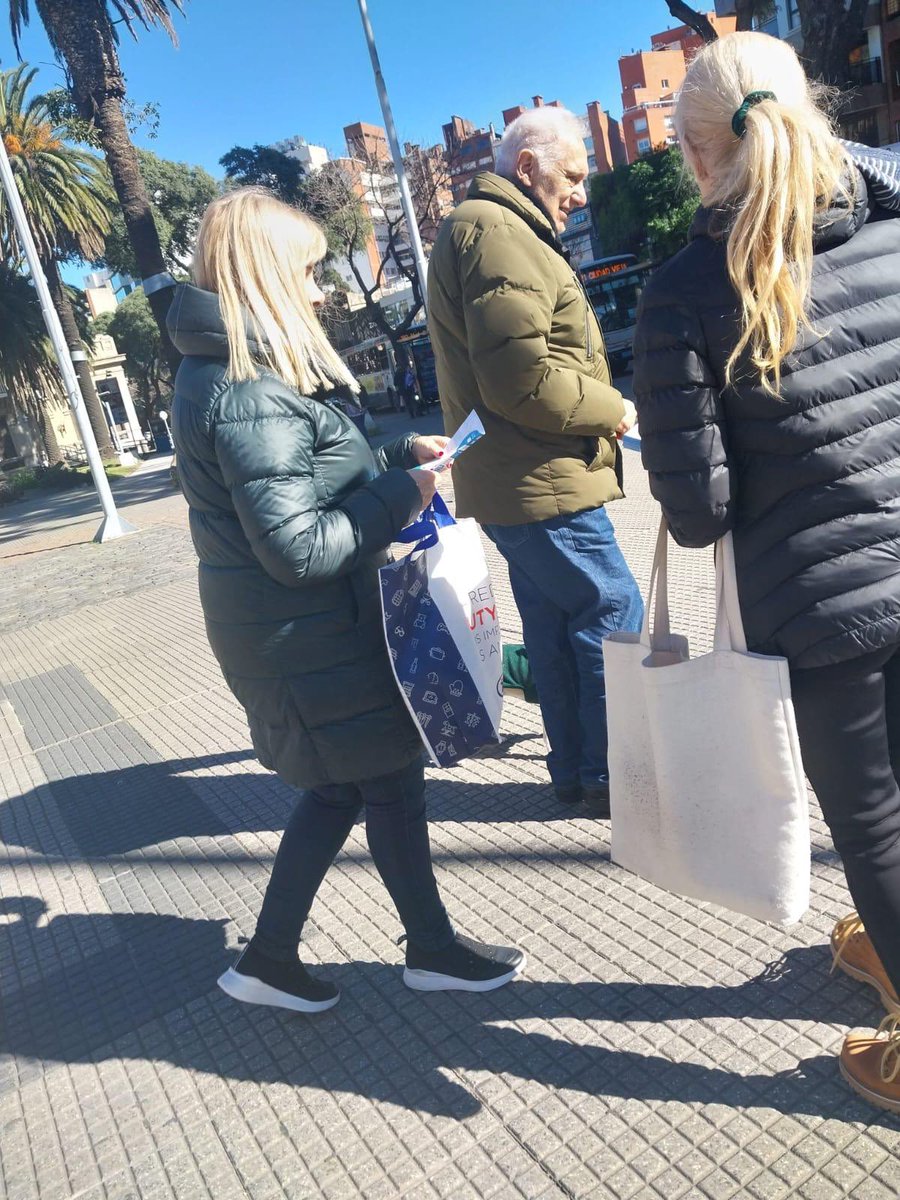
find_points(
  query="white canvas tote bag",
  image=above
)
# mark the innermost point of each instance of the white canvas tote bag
(707, 789)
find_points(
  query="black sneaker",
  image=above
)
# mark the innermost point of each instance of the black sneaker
(568, 793)
(256, 979)
(596, 800)
(464, 966)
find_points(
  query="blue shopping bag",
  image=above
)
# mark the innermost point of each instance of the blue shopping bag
(443, 635)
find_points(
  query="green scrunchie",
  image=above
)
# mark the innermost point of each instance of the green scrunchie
(739, 120)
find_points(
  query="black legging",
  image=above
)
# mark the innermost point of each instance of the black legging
(397, 832)
(848, 718)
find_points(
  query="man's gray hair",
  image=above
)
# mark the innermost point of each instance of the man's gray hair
(545, 131)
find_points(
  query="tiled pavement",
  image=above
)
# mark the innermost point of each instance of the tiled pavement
(654, 1049)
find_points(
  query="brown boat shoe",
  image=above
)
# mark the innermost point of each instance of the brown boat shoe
(871, 1064)
(854, 954)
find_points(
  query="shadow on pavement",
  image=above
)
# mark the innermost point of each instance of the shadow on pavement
(149, 993)
(114, 812)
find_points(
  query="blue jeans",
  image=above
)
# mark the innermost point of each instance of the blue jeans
(397, 833)
(572, 587)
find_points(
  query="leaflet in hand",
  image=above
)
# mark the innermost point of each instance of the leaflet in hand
(467, 434)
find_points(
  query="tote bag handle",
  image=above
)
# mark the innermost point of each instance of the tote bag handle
(658, 596)
(729, 623)
(729, 633)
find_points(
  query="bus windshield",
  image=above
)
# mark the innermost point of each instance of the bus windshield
(614, 286)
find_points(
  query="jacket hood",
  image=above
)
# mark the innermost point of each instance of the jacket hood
(488, 186)
(195, 324)
(872, 182)
(839, 223)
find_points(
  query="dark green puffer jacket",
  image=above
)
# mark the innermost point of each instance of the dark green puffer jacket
(291, 515)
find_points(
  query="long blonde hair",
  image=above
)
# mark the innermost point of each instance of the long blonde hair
(776, 179)
(254, 251)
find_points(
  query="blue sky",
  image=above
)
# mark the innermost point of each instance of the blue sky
(251, 71)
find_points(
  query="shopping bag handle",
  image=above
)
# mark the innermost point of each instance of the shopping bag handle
(658, 594)
(424, 529)
(729, 632)
(729, 622)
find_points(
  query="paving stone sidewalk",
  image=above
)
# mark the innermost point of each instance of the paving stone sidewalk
(655, 1048)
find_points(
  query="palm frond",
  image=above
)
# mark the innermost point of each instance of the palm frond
(65, 189)
(147, 13)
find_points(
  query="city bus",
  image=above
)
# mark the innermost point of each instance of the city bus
(417, 344)
(371, 364)
(613, 286)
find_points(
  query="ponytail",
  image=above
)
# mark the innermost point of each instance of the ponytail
(772, 159)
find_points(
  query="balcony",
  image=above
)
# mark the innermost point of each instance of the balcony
(864, 74)
(865, 86)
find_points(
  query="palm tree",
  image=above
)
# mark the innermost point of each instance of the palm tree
(84, 34)
(67, 201)
(27, 367)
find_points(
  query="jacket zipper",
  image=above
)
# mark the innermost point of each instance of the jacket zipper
(588, 336)
(589, 341)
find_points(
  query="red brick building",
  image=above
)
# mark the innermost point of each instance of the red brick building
(651, 80)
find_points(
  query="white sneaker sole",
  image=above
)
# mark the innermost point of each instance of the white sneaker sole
(432, 981)
(254, 991)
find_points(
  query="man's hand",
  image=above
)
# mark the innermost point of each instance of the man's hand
(427, 449)
(426, 482)
(628, 420)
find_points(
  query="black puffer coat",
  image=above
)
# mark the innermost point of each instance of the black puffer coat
(809, 481)
(291, 515)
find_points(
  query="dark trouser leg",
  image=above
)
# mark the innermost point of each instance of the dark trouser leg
(317, 829)
(848, 718)
(397, 831)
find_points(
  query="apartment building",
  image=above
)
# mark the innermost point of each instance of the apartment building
(651, 80)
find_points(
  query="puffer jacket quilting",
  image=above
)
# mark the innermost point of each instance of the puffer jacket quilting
(291, 514)
(809, 480)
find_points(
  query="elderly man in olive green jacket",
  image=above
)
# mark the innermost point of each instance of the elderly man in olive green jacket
(515, 338)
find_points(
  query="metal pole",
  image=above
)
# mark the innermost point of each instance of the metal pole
(405, 197)
(112, 525)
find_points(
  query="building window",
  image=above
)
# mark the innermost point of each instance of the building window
(862, 129)
(592, 164)
(640, 125)
(669, 123)
(643, 145)
(793, 14)
(891, 9)
(664, 83)
(894, 69)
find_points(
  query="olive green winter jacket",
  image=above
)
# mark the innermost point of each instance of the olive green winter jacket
(515, 338)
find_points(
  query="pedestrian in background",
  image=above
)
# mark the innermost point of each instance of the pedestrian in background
(515, 338)
(291, 515)
(767, 377)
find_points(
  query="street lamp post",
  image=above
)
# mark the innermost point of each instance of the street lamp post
(164, 417)
(405, 197)
(112, 525)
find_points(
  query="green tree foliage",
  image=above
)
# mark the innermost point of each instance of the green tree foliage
(178, 195)
(67, 200)
(27, 367)
(261, 166)
(645, 208)
(136, 334)
(334, 206)
(85, 37)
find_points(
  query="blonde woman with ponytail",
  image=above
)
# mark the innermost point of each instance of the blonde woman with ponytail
(767, 380)
(291, 515)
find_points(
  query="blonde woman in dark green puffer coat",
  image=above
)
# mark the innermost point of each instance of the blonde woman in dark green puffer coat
(291, 516)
